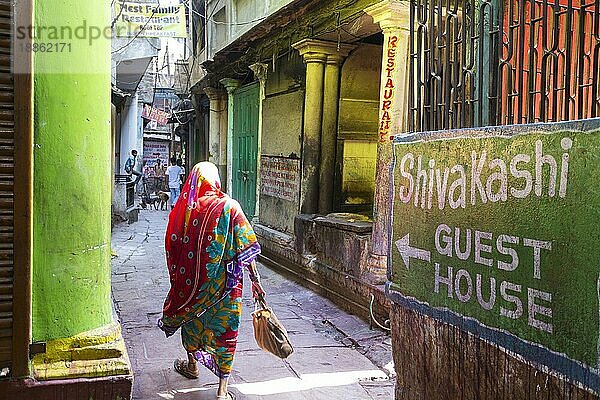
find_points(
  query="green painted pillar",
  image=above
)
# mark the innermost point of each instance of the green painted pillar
(72, 193)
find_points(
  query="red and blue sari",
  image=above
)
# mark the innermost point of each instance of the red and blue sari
(208, 243)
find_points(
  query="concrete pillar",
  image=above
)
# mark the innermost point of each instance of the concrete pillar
(194, 156)
(316, 54)
(260, 72)
(230, 85)
(313, 119)
(331, 103)
(71, 291)
(393, 16)
(217, 143)
(129, 133)
(223, 134)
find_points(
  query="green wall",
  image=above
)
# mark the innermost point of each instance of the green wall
(531, 208)
(71, 239)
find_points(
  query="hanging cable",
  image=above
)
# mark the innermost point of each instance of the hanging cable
(139, 32)
(223, 22)
(387, 321)
(114, 21)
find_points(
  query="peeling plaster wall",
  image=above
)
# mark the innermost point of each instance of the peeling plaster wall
(448, 363)
(240, 17)
(283, 110)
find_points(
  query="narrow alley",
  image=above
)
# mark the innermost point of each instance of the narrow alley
(337, 355)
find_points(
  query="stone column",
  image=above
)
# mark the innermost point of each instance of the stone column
(315, 60)
(331, 102)
(322, 90)
(217, 143)
(230, 85)
(129, 133)
(260, 72)
(223, 118)
(393, 16)
(71, 301)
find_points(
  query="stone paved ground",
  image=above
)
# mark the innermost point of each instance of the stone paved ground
(336, 355)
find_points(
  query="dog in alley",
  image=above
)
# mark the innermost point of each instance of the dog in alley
(163, 199)
(150, 201)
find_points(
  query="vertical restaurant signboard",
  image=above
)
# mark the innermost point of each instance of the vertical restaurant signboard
(500, 235)
(388, 90)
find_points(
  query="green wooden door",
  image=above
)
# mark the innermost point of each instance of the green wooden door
(245, 147)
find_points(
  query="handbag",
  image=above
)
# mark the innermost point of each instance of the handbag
(269, 333)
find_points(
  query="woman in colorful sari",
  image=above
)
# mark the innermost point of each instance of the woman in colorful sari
(208, 244)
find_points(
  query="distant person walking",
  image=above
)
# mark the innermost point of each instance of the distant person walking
(174, 172)
(159, 173)
(209, 242)
(131, 167)
(180, 165)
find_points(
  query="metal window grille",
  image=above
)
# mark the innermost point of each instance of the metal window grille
(500, 62)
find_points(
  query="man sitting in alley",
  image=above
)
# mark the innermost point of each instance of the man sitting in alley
(174, 173)
(130, 167)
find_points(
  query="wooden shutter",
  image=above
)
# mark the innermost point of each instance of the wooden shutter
(7, 158)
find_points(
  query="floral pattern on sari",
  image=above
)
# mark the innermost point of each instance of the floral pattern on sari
(209, 241)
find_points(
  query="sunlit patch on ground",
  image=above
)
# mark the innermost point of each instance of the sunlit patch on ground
(289, 385)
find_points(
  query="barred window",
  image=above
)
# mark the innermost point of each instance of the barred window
(493, 62)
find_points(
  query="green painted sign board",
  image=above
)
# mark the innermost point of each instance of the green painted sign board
(503, 232)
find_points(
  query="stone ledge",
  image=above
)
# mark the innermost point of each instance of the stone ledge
(350, 293)
(335, 242)
(100, 352)
(273, 235)
(347, 222)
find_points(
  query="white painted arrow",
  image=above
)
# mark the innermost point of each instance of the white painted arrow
(407, 251)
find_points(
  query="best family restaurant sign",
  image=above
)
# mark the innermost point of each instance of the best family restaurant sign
(500, 235)
(149, 20)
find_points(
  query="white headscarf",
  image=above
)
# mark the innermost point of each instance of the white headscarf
(210, 172)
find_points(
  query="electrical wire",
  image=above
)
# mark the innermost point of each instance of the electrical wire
(139, 32)
(114, 21)
(222, 22)
(195, 57)
(206, 19)
(387, 321)
(150, 43)
(189, 45)
(239, 23)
